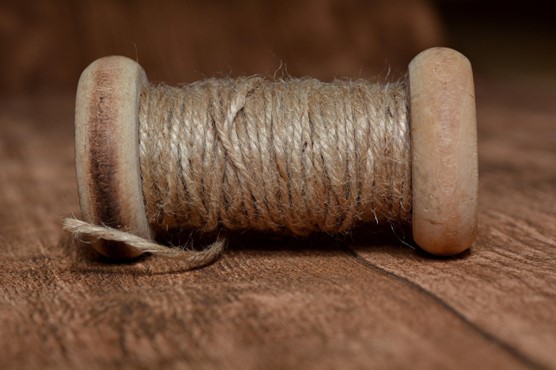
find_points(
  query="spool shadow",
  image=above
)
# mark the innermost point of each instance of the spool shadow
(391, 239)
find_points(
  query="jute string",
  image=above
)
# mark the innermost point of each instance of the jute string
(293, 156)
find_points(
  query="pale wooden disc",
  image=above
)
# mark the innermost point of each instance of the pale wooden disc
(444, 151)
(107, 150)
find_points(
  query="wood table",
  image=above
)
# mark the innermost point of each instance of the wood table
(349, 303)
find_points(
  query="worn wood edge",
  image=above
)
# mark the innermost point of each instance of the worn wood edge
(107, 150)
(444, 151)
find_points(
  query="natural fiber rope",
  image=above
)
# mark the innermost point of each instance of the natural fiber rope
(290, 156)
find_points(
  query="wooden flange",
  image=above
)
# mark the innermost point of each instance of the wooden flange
(107, 150)
(443, 145)
(444, 151)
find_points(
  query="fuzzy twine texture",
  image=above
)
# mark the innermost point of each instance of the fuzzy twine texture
(292, 156)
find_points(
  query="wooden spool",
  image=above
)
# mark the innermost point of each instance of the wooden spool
(443, 146)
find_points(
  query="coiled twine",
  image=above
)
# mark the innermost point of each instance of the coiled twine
(292, 156)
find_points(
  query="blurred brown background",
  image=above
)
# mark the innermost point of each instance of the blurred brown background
(46, 44)
(49, 43)
(280, 303)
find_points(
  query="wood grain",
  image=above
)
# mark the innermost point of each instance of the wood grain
(283, 303)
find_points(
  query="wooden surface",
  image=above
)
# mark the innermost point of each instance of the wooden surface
(281, 303)
(444, 158)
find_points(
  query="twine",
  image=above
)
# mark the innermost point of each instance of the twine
(293, 156)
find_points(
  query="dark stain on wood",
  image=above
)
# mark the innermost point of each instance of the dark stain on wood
(103, 167)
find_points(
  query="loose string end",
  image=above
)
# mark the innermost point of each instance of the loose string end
(193, 258)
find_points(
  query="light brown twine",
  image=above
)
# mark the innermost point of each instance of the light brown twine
(290, 156)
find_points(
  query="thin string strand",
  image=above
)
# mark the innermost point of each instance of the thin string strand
(293, 156)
